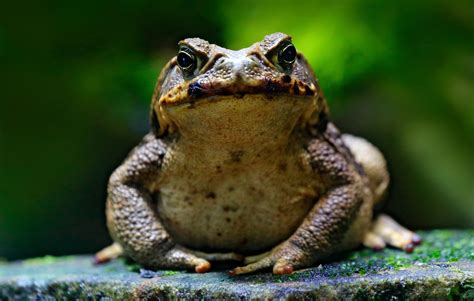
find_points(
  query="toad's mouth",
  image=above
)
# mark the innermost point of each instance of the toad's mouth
(191, 92)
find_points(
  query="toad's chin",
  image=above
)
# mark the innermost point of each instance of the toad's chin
(242, 119)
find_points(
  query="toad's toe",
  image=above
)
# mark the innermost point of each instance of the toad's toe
(392, 233)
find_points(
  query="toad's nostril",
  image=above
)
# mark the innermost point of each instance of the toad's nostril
(195, 90)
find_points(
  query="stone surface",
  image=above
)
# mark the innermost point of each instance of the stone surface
(441, 268)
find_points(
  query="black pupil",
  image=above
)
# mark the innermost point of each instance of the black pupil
(288, 54)
(185, 60)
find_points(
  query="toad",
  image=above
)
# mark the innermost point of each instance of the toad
(243, 163)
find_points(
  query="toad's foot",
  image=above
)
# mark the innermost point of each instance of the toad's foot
(284, 259)
(183, 258)
(386, 230)
(108, 253)
(175, 256)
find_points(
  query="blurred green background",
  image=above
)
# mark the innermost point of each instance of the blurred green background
(76, 81)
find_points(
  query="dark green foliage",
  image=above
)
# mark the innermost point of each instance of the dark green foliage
(76, 80)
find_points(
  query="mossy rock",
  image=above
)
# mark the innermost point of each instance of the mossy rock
(442, 268)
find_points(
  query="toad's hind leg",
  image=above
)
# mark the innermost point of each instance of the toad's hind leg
(386, 230)
(373, 163)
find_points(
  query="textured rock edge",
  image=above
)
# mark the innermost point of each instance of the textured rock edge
(446, 273)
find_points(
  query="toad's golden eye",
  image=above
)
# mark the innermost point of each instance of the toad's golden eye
(287, 54)
(186, 59)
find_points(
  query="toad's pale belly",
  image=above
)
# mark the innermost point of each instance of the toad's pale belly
(241, 209)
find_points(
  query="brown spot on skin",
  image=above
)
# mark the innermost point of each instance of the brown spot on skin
(187, 199)
(229, 208)
(227, 219)
(210, 195)
(173, 222)
(282, 166)
(230, 189)
(236, 156)
(219, 234)
(218, 168)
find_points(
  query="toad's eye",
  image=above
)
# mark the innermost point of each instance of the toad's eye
(286, 54)
(186, 59)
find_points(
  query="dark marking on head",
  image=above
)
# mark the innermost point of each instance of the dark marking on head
(230, 189)
(271, 87)
(286, 78)
(227, 219)
(195, 90)
(296, 90)
(308, 90)
(219, 234)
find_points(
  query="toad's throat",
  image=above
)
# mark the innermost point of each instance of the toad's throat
(197, 90)
(224, 122)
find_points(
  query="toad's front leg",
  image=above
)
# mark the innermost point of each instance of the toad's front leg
(132, 218)
(328, 225)
(320, 235)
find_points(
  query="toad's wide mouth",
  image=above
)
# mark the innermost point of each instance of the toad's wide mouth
(192, 92)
